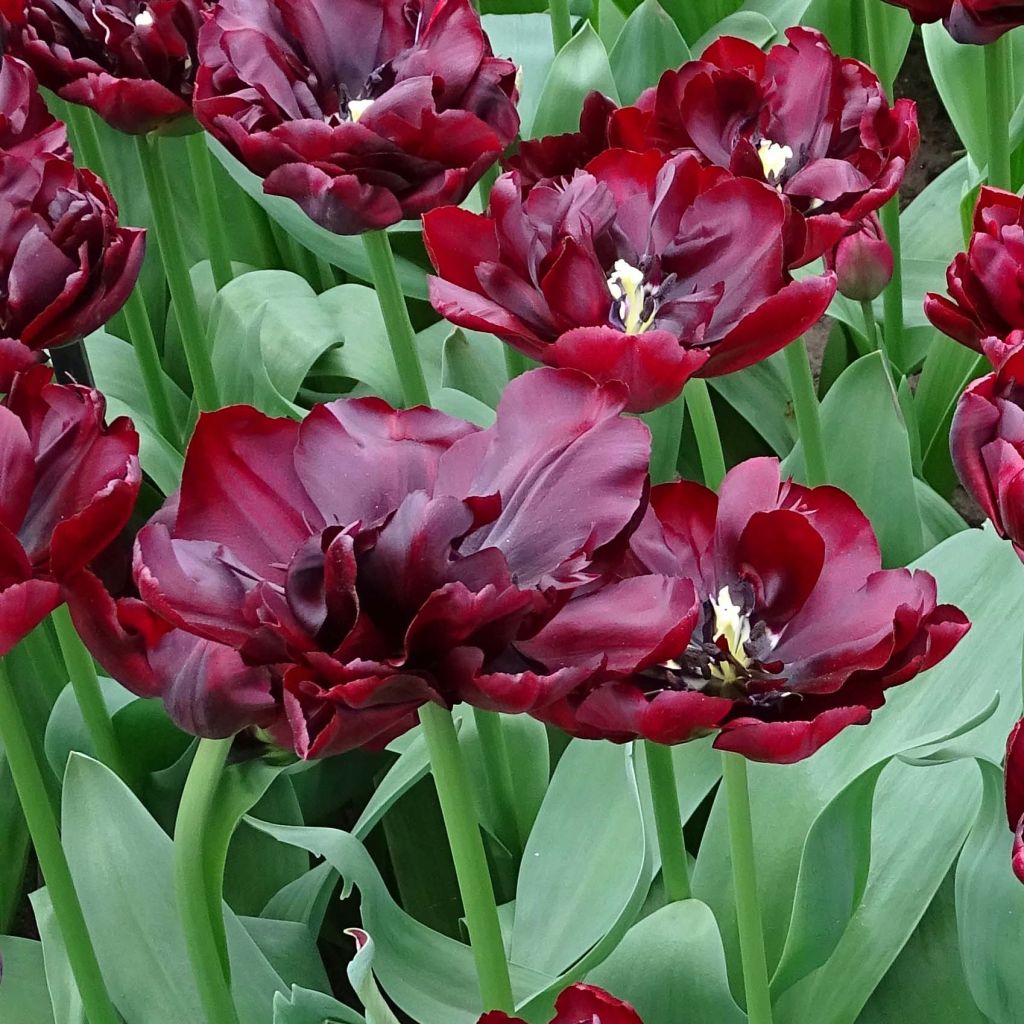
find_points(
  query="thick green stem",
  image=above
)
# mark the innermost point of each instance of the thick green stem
(878, 50)
(666, 426)
(86, 685)
(396, 317)
(999, 92)
(136, 315)
(709, 443)
(661, 779)
(199, 906)
(179, 280)
(209, 209)
(561, 22)
(744, 875)
(493, 746)
(808, 416)
(892, 297)
(870, 327)
(475, 886)
(42, 826)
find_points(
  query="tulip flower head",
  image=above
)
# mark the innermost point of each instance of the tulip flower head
(579, 1004)
(1015, 794)
(641, 268)
(799, 630)
(364, 112)
(27, 129)
(131, 61)
(967, 21)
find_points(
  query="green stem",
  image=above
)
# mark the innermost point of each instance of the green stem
(179, 280)
(561, 22)
(744, 875)
(808, 415)
(892, 298)
(136, 314)
(396, 317)
(870, 326)
(666, 425)
(199, 906)
(494, 748)
(998, 78)
(595, 14)
(86, 684)
(709, 443)
(467, 846)
(661, 779)
(209, 209)
(874, 16)
(42, 826)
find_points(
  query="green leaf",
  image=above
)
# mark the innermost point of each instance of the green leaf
(302, 1006)
(23, 992)
(670, 961)
(939, 519)
(649, 44)
(760, 394)
(305, 900)
(877, 471)
(526, 38)
(360, 976)
(15, 848)
(576, 879)
(64, 997)
(344, 251)
(290, 948)
(580, 67)
(749, 25)
(990, 909)
(66, 731)
(121, 861)
(844, 25)
(474, 363)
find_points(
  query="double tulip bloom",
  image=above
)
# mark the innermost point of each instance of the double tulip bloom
(363, 113)
(27, 129)
(131, 61)
(343, 571)
(1015, 794)
(579, 1004)
(797, 632)
(641, 267)
(985, 307)
(967, 21)
(69, 483)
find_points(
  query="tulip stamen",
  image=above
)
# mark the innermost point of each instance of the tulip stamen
(635, 299)
(774, 159)
(144, 19)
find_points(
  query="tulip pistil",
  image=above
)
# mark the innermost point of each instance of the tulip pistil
(635, 300)
(731, 633)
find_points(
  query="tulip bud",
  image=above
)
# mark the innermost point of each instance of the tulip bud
(862, 261)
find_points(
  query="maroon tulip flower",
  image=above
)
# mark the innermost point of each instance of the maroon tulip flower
(800, 630)
(370, 560)
(986, 283)
(68, 483)
(579, 1004)
(27, 129)
(642, 268)
(1015, 794)
(967, 21)
(66, 266)
(987, 444)
(364, 113)
(862, 261)
(131, 61)
(815, 126)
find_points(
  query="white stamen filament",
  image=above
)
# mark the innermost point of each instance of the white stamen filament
(627, 288)
(732, 626)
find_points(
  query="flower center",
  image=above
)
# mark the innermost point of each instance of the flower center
(774, 159)
(633, 299)
(144, 18)
(730, 634)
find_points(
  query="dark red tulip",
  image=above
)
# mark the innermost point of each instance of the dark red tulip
(364, 113)
(967, 21)
(579, 1004)
(371, 560)
(811, 124)
(800, 631)
(862, 261)
(987, 444)
(27, 129)
(68, 483)
(986, 283)
(66, 266)
(642, 268)
(131, 61)
(1015, 794)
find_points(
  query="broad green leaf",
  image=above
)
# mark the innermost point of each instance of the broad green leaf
(526, 39)
(576, 878)
(990, 909)
(474, 363)
(301, 1006)
(649, 44)
(23, 992)
(580, 68)
(671, 963)
(939, 519)
(64, 997)
(291, 949)
(877, 470)
(15, 848)
(121, 861)
(760, 394)
(344, 251)
(918, 823)
(412, 765)
(749, 25)
(429, 976)
(305, 900)
(66, 730)
(360, 976)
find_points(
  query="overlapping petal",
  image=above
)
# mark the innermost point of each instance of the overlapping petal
(579, 1004)
(967, 21)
